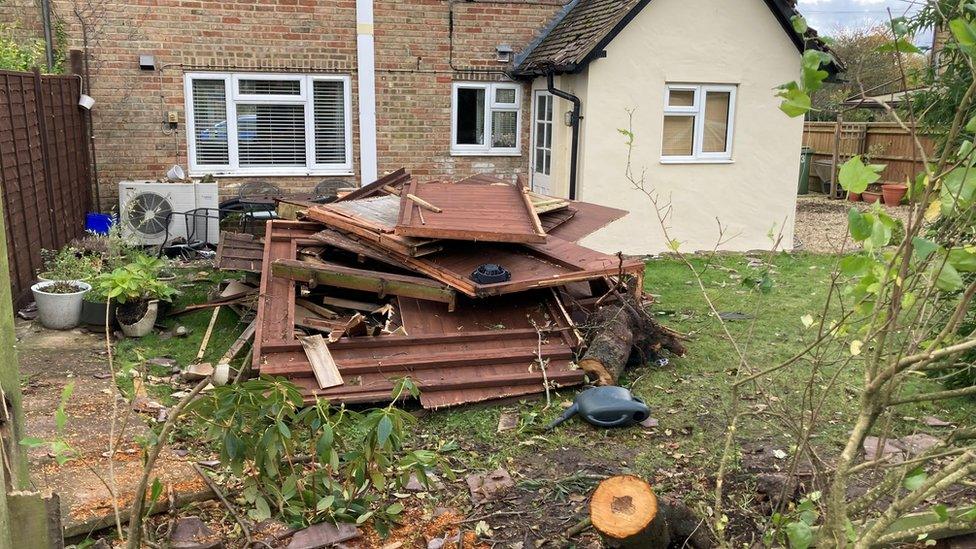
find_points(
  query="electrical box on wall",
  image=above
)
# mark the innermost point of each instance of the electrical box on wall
(172, 118)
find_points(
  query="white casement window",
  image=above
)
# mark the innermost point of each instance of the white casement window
(698, 121)
(268, 124)
(486, 119)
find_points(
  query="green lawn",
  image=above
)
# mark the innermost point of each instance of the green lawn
(690, 397)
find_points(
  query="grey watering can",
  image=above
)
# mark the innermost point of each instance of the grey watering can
(606, 407)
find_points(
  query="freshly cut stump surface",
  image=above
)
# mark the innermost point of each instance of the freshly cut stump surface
(623, 507)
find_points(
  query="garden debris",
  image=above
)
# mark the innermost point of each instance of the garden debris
(387, 295)
(897, 450)
(323, 535)
(933, 421)
(193, 533)
(507, 421)
(489, 486)
(196, 372)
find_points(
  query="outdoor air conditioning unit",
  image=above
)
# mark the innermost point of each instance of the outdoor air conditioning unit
(145, 206)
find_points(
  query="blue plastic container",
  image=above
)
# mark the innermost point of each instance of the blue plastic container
(99, 223)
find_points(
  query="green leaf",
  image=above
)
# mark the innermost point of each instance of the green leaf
(32, 442)
(860, 225)
(261, 509)
(363, 517)
(856, 265)
(383, 430)
(923, 247)
(855, 175)
(796, 102)
(965, 34)
(394, 509)
(963, 259)
(799, 534)
(958, 190)
(949, 279)
(902, 45)
(325, 503)
(799, 24)
(941, 511)
(915, 478)
(324, 444)
(880, 235)
(971, 125)
(232, 446)
(284, 430)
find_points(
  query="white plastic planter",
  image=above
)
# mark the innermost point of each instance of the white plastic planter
(145, 324)
(59, 311)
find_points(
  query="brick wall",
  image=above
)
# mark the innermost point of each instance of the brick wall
(413, 72)
(20, 20)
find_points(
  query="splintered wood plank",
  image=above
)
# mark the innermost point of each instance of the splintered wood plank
(323, 366)
(497, 212)
(394, 180)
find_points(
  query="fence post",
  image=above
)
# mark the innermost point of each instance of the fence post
(834, 168)
(45, 151)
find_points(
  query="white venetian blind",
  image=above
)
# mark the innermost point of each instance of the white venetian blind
(328, 97)
(210, 121)
(271, 135)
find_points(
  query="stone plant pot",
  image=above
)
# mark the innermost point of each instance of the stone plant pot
(59, 311)
(93, 314)
(141, 326)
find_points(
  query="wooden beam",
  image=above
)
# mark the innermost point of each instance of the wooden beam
(383, 284)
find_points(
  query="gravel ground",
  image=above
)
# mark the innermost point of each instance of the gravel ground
(821, 224)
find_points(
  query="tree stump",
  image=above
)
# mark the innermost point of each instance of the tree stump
(624, 510)
(618, 330)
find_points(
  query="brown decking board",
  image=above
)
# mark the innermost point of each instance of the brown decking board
(276, 300)
(497, 212)
(239, 252)
(484, 350)
(588, 219)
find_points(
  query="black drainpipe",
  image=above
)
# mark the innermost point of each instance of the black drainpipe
(575, 122)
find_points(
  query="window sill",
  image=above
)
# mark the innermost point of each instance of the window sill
(486, 153)
(697, 161)
(271, 172)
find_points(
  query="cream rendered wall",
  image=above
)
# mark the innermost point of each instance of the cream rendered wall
(692, 41)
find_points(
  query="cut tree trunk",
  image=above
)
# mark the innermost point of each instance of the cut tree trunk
(627, 513)
(624, 511)
(619, 329)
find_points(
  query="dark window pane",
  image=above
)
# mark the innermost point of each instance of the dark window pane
(470, 115)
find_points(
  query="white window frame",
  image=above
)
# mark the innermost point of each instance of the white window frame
(490, 105)
(697, 111)
(233, 97)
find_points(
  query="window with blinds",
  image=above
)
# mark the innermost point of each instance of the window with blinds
(486, 118)
(698, 122)
(274, 124)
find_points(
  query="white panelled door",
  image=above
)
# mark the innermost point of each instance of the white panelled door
(541, 142)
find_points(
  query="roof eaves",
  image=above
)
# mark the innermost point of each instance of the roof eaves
(524, 54)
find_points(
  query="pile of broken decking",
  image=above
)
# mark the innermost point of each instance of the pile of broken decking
(380, 285)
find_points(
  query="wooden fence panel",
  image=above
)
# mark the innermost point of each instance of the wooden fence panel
(44, 169)
(882, 142)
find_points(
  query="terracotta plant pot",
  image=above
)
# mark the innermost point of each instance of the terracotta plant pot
(893, 193)
(854, 197)
(870, 196)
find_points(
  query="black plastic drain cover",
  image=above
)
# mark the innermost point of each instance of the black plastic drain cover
(490, 273)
